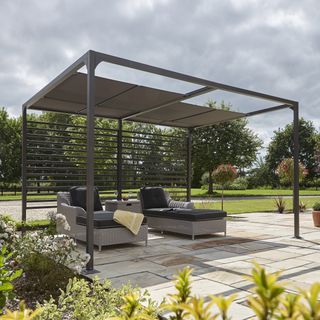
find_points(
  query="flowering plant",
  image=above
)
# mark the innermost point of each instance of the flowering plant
(59, 248)
(285, 171)
(224, 174)
(7, 230)
(58, 222)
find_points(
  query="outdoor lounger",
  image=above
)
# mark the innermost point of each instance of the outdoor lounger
(165, 214)
(106, 230)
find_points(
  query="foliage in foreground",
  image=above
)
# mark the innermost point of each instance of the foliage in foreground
(86, 301)
(83, 300)
(7, 275)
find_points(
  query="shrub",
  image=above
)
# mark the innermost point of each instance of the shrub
(241, 183)
(285, 171)
(7, 275)
(316, 206)
(302, 206)
(82, 300)
(85, 300)
(280, 203)
(48, 261)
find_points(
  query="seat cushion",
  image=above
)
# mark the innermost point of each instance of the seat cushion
(102, 220)
(153, 197)
(185, 214)
(78, 198)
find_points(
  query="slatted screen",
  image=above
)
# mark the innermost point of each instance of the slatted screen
(56, 160)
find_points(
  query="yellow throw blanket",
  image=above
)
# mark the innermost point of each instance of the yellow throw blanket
(131, 220)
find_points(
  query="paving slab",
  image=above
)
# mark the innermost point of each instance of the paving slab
(219, 263)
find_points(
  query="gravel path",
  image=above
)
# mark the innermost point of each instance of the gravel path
(13, 209)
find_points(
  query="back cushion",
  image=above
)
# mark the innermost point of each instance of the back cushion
(153, 198)
(78, 197)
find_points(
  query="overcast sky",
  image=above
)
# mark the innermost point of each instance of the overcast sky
(268, 46)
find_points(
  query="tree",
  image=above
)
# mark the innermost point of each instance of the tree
(229, 142)
(223, 175)
(285, 171)
(10, 148)
(281, 147)
(259, 175)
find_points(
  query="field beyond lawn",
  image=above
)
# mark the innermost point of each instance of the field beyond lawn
(198, 192)
(253, 205)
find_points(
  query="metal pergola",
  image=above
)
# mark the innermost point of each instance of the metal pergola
(86, 94)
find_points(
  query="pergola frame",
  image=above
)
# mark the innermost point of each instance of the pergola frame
(91, 60)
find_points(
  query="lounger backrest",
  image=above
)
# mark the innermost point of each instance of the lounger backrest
(62, 197)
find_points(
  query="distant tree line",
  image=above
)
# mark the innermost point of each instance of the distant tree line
(226, 143)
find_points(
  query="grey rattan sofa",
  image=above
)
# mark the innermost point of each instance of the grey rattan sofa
(165, 214)
(106, 231)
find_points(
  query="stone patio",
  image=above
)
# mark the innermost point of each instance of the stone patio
(219, 263)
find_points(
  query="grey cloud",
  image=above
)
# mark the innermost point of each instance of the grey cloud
(270, 46)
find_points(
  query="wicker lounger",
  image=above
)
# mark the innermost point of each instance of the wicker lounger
(165, 215)
(106, 231)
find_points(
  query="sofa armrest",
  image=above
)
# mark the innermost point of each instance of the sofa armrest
(71, 213)
(181, 204)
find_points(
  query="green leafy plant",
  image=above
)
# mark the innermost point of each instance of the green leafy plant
(83, 300)
(22, 314)
(302, 206)
(223, 175)
(48, 262)
(267, 293)
(316, 206)
(280, 204)
(94, 300)
(7, 275)
(182, 297)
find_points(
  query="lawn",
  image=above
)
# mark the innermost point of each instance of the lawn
(253, 205)
(195, 192)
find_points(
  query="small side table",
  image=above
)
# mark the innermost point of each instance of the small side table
(128, 205)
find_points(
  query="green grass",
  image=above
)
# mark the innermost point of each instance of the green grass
(198, 192)
(195, 192)
(247, 206)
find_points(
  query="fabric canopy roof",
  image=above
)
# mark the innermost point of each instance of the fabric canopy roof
(121, 100)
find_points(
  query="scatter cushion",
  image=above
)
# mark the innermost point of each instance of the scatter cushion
(78, 197)
(153, 197)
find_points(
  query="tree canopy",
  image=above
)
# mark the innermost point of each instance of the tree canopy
(10, 148)
(281, 147)
(230, 142)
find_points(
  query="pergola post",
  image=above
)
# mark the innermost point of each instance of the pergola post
(24, 165)
(91, 65)
(119, 160)
(296, 209)
(189, 163)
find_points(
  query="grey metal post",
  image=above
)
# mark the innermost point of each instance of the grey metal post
(119, 160)
(90, 156)
(296, 209)
(24, 165)
(189, 163)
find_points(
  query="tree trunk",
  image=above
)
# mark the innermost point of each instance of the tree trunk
(210, 183)
(222, 198)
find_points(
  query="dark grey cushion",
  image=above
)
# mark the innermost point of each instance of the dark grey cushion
(185, 214)
(78, 198)
(153, 197)
(102, 220)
